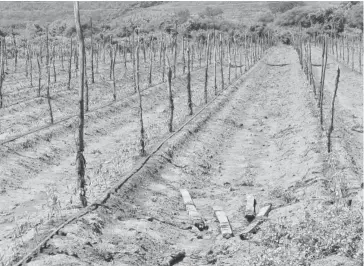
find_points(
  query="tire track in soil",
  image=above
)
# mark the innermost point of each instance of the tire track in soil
(267, 132)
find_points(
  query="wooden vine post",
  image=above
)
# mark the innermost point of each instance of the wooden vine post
(221, 64)
(81, 162)
(189, 93)
(30, 66)
(48, 77)
(113, 70)
(111, 57)
(207, 67)
(86, 85)
(92, 55)
(26, 59)
(164, 61)
(215, 64)
(183, 55)
(229, 58)
(15, 51)
(175, 54)
(70, 66)
(331, 128)
(150, 62)
(170, 97)
(54, 63)
(39, 74)
(2, 76)
(142, 137)
(322, 83)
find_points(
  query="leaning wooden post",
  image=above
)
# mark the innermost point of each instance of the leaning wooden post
(81, 162)
(331, 128)
(142, 137)
(207, 67)
(189, 93)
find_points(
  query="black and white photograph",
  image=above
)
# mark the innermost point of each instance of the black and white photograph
(186, 133)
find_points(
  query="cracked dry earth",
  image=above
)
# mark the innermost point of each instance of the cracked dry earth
(267, 135)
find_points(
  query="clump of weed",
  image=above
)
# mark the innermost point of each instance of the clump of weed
(27, 144)
(284, 194)
(248, 181)
(322, 232)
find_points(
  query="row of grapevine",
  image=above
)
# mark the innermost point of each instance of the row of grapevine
(113, 69)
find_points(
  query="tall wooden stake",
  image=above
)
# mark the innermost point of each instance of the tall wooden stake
(189, 93)
(142, 137)
(331, 128)
(81, 162)
(48, 78)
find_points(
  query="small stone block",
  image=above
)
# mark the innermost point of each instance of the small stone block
(224, 223)
(186, 197)
(250, 207)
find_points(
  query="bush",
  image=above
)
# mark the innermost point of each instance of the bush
(295, 17)
(285, 37)
(210, 12)
(281, 7)
(266, 18)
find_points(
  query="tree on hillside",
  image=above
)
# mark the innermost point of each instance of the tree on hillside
(281, 7)
(210, 12)
(355, 16)
(182, 16)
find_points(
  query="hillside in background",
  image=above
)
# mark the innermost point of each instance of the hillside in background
(18, 14)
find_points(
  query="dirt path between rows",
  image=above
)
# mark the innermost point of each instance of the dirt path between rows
(266, 141)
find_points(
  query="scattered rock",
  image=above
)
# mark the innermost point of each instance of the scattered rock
(211, 257)
(174, 258)
(197, 232)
